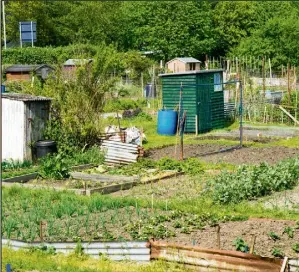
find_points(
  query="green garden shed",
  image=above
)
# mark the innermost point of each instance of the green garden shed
(202, 98)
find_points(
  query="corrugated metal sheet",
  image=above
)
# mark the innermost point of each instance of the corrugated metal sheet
(133, 251)
(293, 265)
(24, 97)
(214, 260)
(13, 127)
(120, 153)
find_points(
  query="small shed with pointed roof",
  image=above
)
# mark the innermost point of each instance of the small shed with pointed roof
(179, 65)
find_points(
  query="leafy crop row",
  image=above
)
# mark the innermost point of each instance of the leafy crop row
(68, 218)
(250, 182)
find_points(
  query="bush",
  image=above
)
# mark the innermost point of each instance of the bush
(48, 55)
(54, 167)
(250, 182)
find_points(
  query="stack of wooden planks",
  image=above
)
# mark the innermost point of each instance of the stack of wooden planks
(121, 153)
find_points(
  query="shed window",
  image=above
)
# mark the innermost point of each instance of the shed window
(192, 66)
(217, 83)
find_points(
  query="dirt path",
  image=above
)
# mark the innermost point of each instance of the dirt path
(246, 155)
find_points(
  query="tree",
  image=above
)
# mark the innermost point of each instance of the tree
(172, 28)
(277, 39)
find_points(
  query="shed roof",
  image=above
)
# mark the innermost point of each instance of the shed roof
(74, 62)
(26, 68)
(24, 97)
(187, 60)
(193, 72)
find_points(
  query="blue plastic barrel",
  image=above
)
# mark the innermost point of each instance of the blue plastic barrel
(167, 122)
(2, 88)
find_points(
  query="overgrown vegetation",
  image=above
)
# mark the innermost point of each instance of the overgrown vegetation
(250, 182)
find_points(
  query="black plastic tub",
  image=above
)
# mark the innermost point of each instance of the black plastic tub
(42, 148)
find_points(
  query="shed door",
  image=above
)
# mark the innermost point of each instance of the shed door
(204, 103)
(204, 109)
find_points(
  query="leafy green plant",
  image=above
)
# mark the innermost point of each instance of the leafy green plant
(54, 166)
(193, 166)
(79, 250)
(240, 245)
(295, 247)
(15, 165)
(277, 252)
(250, 182)
(273, 236)
(289, 231)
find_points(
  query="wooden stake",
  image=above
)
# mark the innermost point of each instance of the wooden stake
(152, 202)
(252, 244)
(196, 124)
(182, 125)
(270, 68)
(284, 264)
(263, 75)
(289, 89)
(41, 231)
(218, 236)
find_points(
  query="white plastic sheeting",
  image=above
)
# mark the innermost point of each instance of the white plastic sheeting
(133, 134)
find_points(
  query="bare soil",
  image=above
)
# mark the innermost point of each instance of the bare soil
(221, 153)
(286, 200)
(229, 231)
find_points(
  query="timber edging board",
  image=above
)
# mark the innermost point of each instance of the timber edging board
(22, 178)
(27, 177)
(102, 178)
(103, 190)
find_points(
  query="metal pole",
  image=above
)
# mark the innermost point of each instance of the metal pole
(1, 123)
(4, 24)
(31, 34)
(241, 113)
(21, 35)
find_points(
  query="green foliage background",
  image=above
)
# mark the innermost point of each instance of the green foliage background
(172, 29)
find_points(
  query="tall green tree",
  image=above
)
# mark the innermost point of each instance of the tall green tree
(277, 39)
(173, 28)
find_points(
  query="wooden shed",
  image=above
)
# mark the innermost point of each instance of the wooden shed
(24, 118)
(25, 72)
(178, 65)
(202, 98)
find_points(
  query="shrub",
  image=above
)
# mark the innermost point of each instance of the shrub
(54, 167)
(250, 182)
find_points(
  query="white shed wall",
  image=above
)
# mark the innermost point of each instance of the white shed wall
(13, 115)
